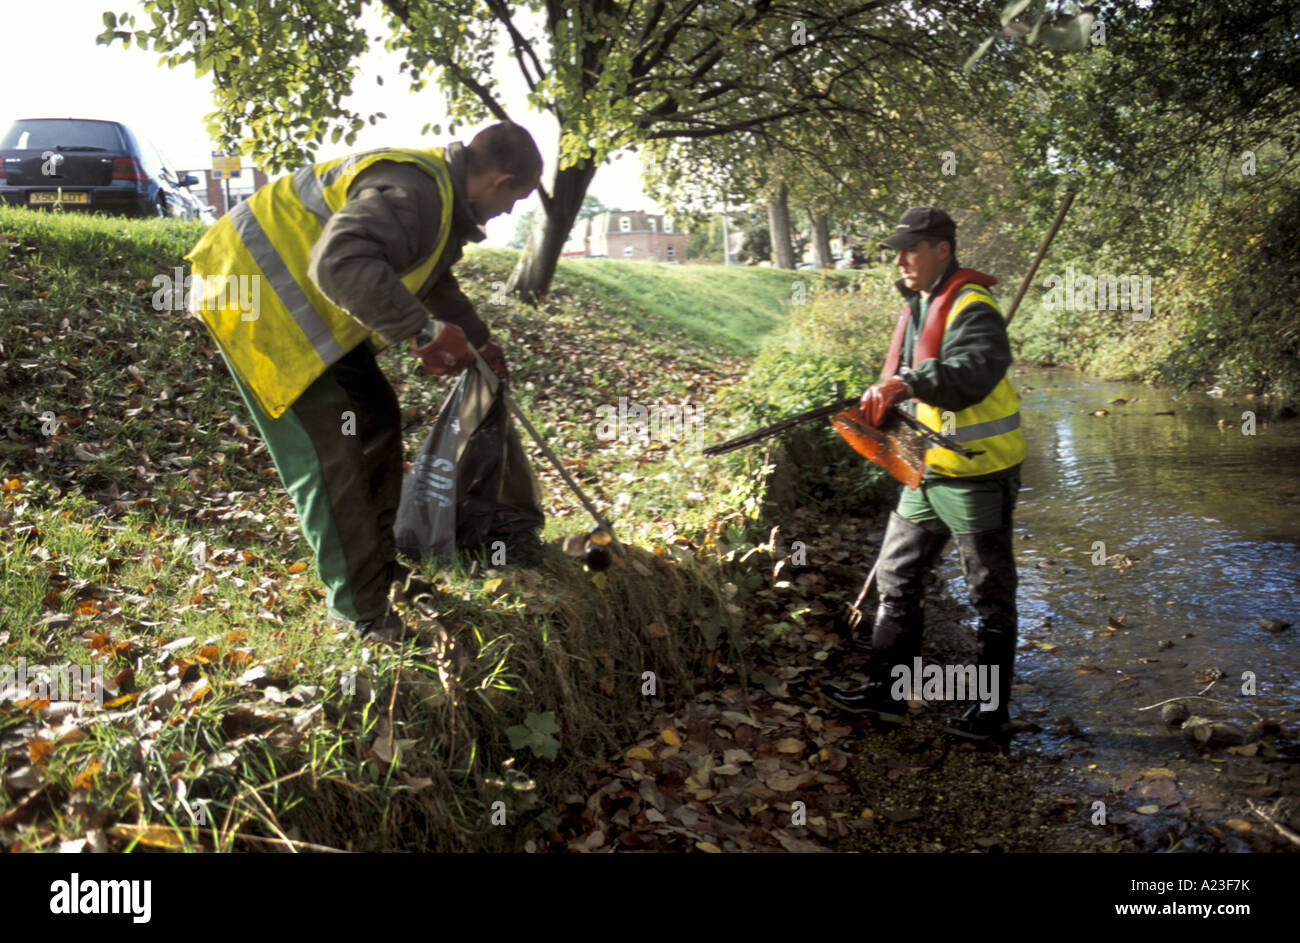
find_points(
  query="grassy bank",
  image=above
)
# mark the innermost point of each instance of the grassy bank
(148, 538)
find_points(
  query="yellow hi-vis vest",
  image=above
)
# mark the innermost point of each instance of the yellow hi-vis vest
(259, 252)
(993, 424)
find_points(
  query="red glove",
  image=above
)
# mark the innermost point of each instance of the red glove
(495, 359)
(448, 353)
(879, 397)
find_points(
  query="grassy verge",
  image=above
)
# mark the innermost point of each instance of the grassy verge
(147, 537)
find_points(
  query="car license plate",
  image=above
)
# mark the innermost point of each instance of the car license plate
(53, 196)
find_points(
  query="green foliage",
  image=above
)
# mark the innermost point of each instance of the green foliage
(1241, 328)
(704, 244)
(757, 244)
(536, 734)
(830, 351)
(1223, 289)
(846, 311)
(591, 206)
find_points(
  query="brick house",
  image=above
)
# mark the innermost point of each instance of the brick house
(627, 235)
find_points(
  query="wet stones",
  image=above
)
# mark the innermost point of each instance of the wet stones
(1213, 734)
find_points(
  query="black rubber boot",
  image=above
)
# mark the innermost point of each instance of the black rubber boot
(988, 560)
(907, 553)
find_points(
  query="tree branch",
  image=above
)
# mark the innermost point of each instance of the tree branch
(521, 45)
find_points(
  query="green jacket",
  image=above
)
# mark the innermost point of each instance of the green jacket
(975, 355)
(388, 224)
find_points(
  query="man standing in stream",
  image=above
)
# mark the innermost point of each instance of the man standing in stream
(348, 256)
(948, 361)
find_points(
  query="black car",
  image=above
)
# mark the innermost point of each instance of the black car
(86, 164)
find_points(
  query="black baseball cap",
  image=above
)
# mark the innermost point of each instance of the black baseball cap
(918, 223)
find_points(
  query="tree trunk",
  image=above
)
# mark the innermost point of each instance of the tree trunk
(532, 276)
(778, 224)
(821, 239)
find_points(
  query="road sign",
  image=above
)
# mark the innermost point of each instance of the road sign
(224, 167)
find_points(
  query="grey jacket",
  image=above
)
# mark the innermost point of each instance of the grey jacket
(387, 226)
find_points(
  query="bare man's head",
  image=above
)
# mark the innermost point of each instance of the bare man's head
(503, 166)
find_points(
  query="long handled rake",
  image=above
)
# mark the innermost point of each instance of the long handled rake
(493, 382)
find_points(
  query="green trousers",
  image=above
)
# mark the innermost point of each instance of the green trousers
(338, 449)
(954, 505)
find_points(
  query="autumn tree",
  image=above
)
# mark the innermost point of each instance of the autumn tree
(610, 74)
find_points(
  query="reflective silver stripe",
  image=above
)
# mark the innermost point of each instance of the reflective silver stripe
(311, 193)
(331, 176)
(338, 170)
(283, 283)
(984, 430)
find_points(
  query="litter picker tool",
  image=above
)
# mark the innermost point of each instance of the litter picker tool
(494, 381)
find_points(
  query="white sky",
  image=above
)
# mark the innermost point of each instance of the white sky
(51, 67)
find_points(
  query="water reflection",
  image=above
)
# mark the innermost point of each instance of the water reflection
(1207, 518)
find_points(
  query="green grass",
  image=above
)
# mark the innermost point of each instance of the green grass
(731, 306)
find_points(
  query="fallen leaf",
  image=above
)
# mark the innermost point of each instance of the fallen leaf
(669, 736)
(640, 753)
(1159, 772)
(154, 836)
(784, 781)
(87, 777)
(39, 750)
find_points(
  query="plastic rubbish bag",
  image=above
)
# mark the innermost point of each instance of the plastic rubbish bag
(471, 482)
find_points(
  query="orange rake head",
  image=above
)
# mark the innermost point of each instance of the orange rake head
(894, 447)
